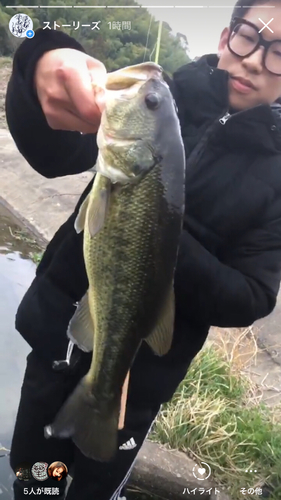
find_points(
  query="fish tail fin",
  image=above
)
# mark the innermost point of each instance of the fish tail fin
(92, 424)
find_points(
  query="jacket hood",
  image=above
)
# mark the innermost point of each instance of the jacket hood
(201, 93)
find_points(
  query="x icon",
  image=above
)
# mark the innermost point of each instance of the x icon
(265, 25)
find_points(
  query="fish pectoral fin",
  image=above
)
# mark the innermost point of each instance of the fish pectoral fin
(99, 204)
(81, 327)
(160, 340)
(79, 223)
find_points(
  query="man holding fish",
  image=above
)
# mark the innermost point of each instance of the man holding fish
(131, 280)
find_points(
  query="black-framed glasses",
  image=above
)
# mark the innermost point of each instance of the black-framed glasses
(244, 39)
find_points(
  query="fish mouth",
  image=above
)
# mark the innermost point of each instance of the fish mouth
(127, 77)
(117, 138)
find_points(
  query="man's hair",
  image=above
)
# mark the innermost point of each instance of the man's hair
(243, 6)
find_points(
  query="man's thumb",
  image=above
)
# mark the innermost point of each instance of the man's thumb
(100, 98)
(98, 76)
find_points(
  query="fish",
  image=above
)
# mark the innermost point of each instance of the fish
(132, 221)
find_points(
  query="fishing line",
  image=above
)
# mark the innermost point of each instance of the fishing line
(153, 50)
(148, 33)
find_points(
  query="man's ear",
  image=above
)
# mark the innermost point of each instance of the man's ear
(223, 40)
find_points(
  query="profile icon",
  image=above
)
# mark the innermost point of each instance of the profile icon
(23, 472)
(39, 471)
(20, 25)
(57, 471)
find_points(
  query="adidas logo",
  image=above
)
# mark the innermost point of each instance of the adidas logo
(129, 445)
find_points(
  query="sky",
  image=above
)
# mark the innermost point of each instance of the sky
(202, 26)
(202, 21)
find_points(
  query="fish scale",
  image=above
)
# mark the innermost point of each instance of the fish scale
(116, 306)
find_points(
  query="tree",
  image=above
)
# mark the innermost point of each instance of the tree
(114, 47)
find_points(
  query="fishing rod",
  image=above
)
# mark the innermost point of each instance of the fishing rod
(158, 43)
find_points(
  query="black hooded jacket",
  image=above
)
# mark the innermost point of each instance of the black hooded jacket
(229, 262)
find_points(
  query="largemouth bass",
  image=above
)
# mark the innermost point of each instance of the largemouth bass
(132, 221)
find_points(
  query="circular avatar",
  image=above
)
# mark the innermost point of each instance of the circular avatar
(23, 472)
(57, 471)
(19, 24)
(39, 471)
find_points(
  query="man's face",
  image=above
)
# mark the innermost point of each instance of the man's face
(267, 87)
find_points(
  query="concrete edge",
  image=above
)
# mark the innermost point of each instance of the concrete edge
(22, 221)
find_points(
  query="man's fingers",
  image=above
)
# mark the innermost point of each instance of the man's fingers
(70, 87)
(98, 75)
(99, 98)
(79, 87)
(66, 120)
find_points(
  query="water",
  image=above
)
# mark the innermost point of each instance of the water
(16, 273)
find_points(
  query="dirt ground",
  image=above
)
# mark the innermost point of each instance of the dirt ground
(5, 72)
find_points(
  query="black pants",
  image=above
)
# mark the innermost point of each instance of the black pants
(42, 395)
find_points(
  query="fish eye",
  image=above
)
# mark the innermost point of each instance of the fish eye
(152, 101)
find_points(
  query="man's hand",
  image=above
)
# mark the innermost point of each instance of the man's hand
(64, 81)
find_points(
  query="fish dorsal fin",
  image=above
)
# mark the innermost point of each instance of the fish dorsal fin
(99, 203)
(160, 340)
(81, 327)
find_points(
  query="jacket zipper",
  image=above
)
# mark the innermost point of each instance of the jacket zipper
(224, 118)
(203, 144)
(204, 141)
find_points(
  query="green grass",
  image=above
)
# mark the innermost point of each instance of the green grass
(23, 236)
(135, 494)
(215, 417)
(5, 61)
(36, 257)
